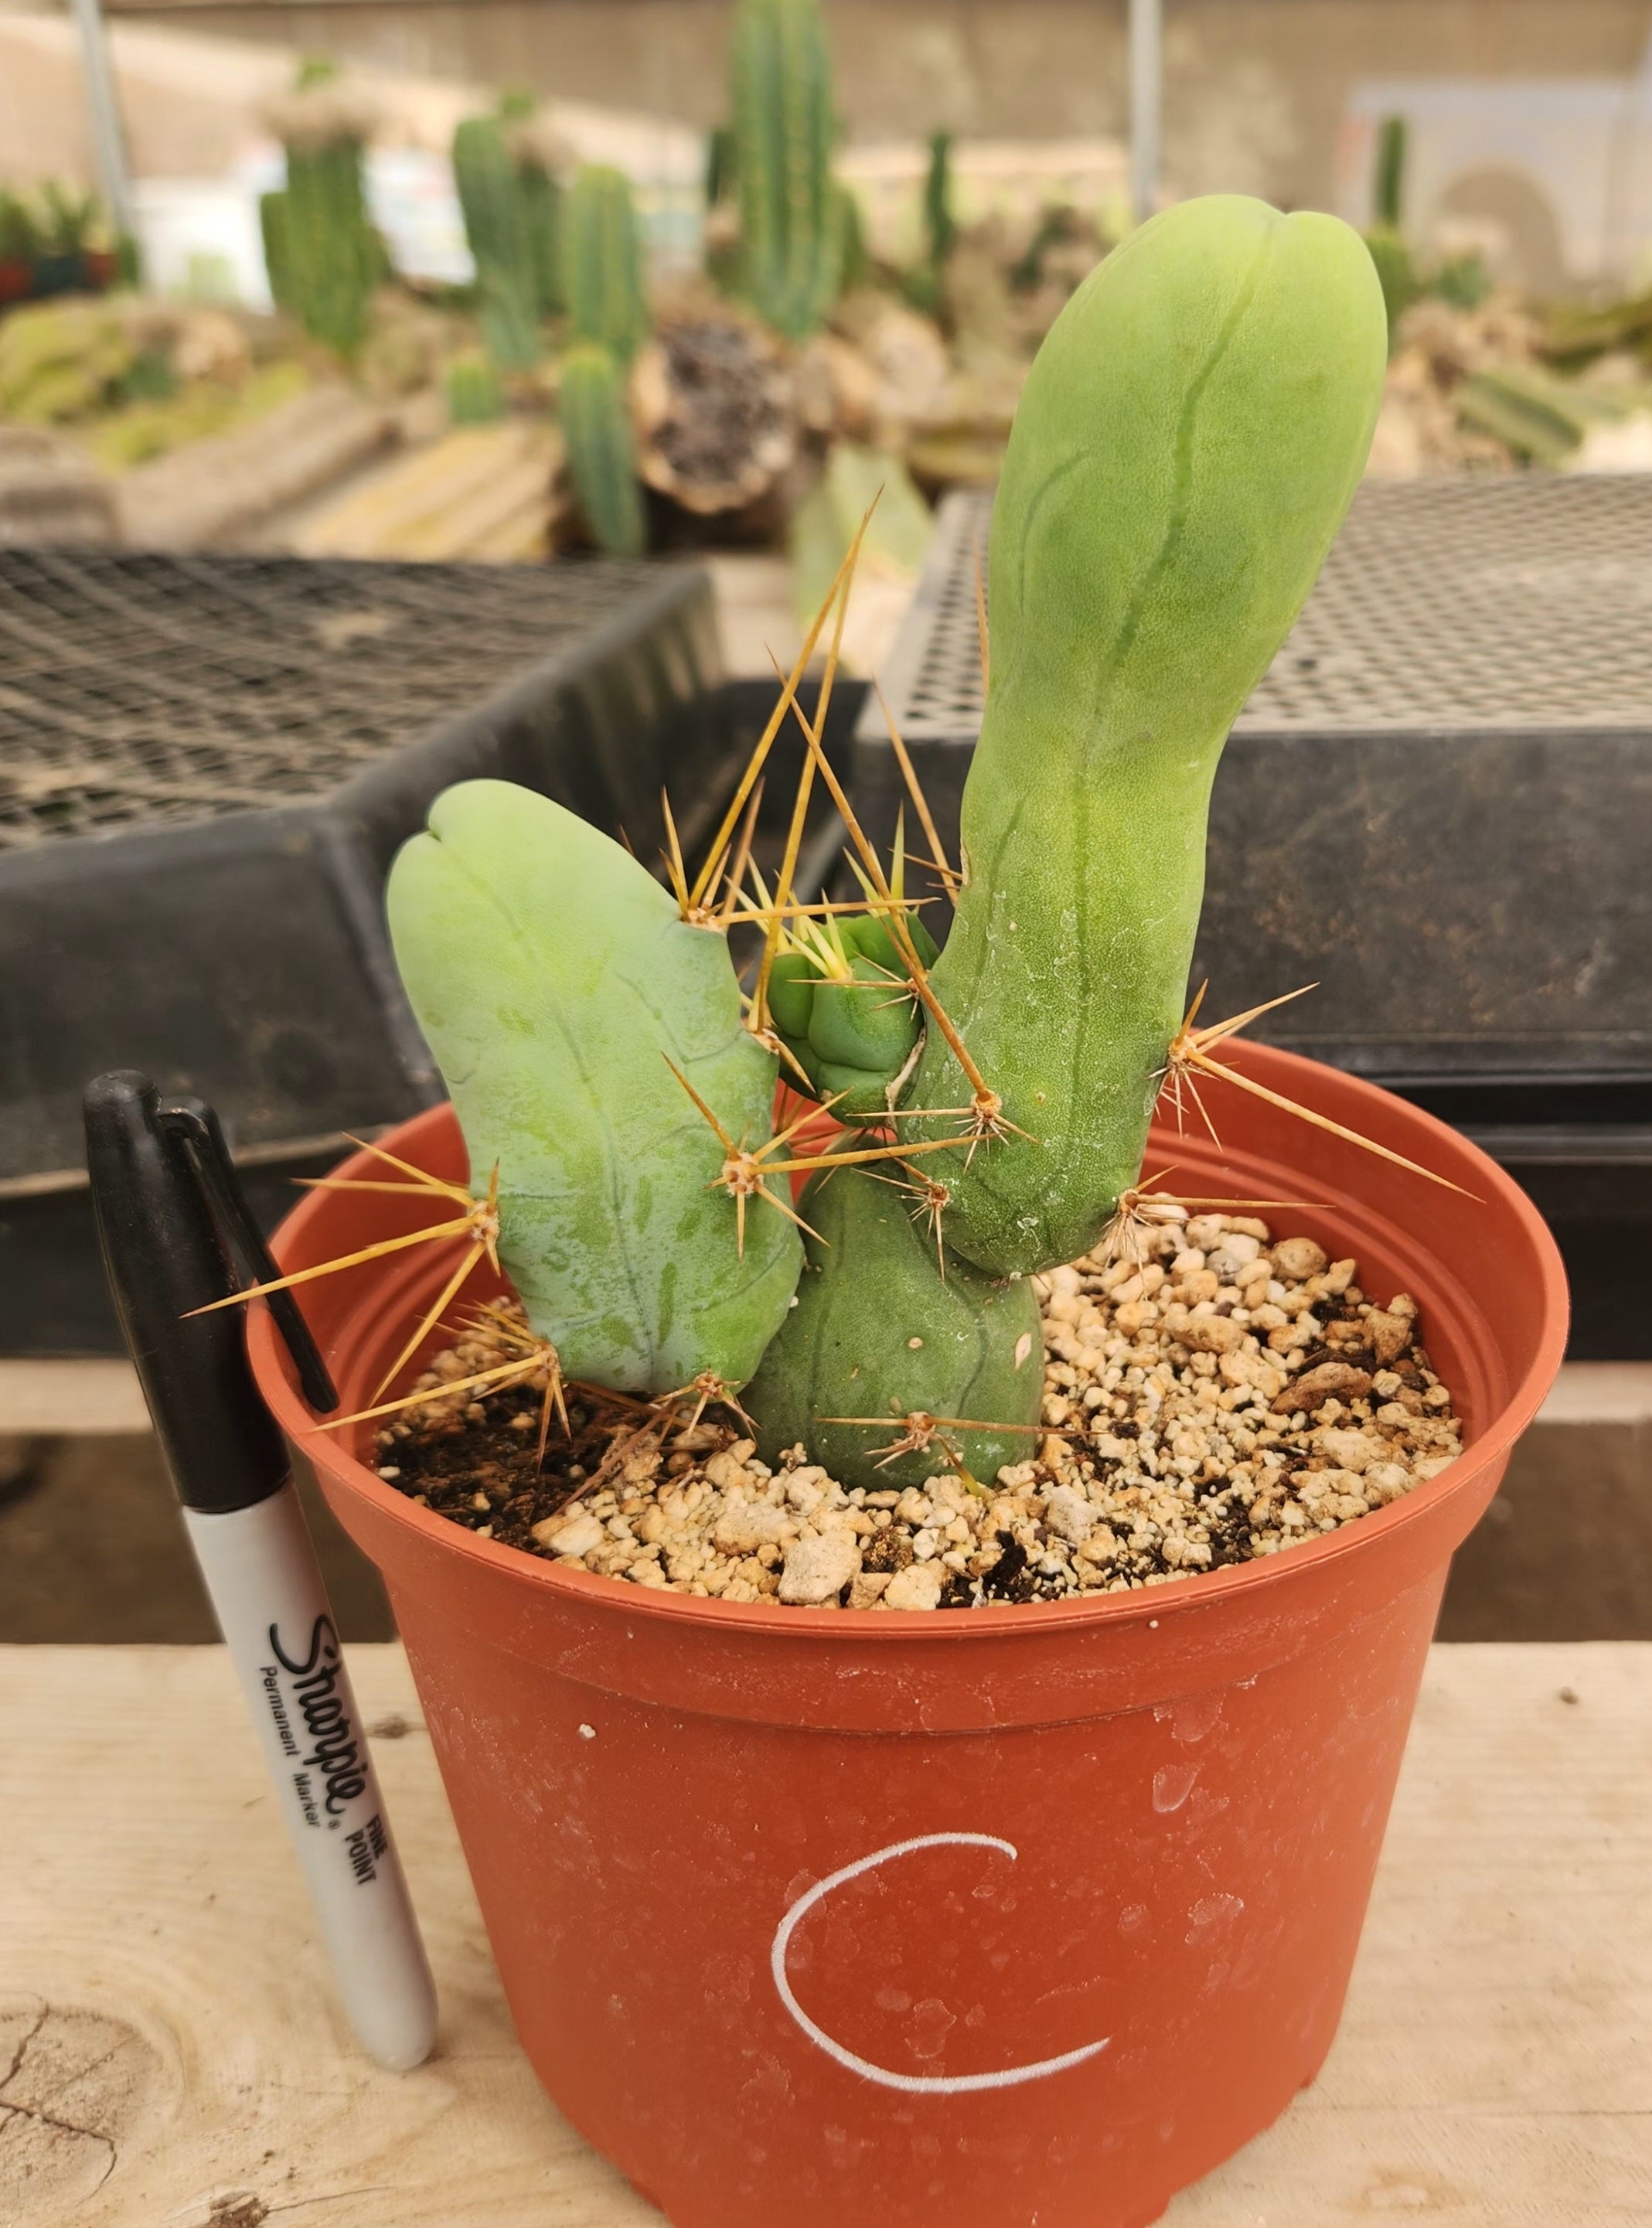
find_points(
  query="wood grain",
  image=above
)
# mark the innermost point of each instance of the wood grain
(170, 2058)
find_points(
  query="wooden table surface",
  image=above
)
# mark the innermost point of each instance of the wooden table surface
(170, 2056)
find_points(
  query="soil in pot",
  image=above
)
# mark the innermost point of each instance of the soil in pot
(1214, 1397)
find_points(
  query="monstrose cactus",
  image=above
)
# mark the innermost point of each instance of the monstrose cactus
(1189, 440)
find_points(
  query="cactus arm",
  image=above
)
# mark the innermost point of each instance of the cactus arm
(867, 1293)
(554, 977)
(1189, 438)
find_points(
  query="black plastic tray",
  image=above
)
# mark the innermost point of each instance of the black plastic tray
(205, 769)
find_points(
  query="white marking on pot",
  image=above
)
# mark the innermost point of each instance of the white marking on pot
(587, 1732)
(916, 2084)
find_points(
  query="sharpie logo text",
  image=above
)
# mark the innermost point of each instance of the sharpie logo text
(335, 1752)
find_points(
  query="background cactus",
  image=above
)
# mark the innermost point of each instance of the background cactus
(1388, 184)
(322, 255)
(1396, 270)
(792, 212)
(512, 220)
(602, 262)
(554, 979)
(602, 449)
(926, 286)
(474, 395)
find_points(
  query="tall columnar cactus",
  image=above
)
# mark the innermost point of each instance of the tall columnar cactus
(792, 213)
(941, 226)
(1186, 445)
(602, 262)
(512, 220)
(1388, 185)
(323, 256)
(1396, 270)
(602, 449)
(558, 986)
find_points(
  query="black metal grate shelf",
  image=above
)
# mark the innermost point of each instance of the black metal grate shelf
(1451, 605)
(143, 691)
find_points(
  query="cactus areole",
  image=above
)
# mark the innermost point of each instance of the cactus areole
(1189, 438)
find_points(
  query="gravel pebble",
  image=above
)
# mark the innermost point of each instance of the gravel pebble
(1218, 1400)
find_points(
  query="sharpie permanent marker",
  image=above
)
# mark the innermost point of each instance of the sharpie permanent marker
(169, 1208)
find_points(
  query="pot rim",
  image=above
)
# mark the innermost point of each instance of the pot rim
(1149, 1605)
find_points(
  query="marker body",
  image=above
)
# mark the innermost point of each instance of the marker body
(261, 1570)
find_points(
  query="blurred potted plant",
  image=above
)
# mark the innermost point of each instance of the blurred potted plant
(19, 247)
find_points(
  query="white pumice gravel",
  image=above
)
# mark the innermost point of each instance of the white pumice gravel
(1222, 1397)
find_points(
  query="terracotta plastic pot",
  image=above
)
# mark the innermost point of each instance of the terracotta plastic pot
(1017, 1917)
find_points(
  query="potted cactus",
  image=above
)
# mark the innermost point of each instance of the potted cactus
(828, 1907)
